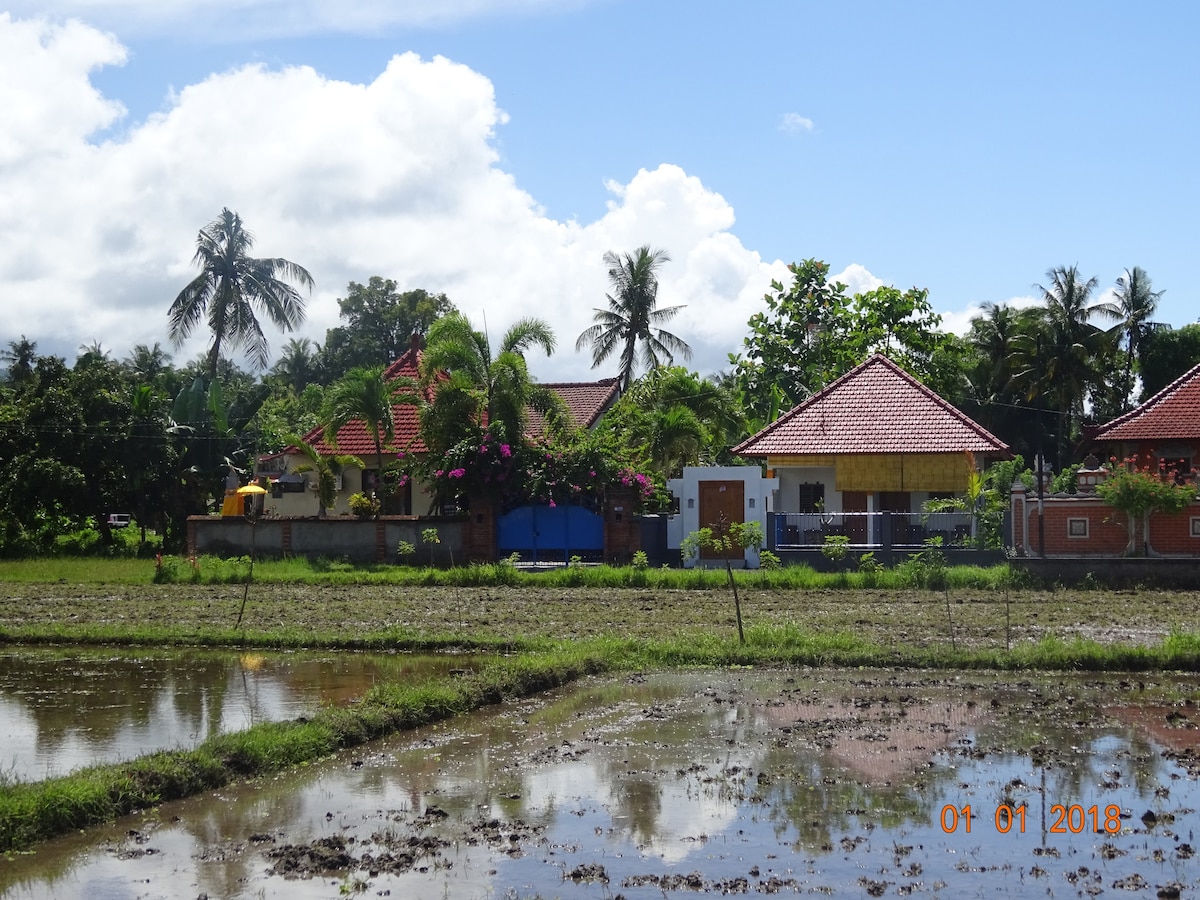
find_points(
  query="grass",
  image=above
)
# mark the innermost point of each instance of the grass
(218, 570)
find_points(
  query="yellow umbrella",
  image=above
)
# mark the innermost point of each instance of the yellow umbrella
(252, 489)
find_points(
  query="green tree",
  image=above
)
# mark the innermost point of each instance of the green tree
(380, 322)
(1166, 354)
(1133, 309)
(812, 333)
(1058, 362)
(298, 365)
(20, 359)
(231, 286)
(633, 318)
(470, 386)
(671, 418)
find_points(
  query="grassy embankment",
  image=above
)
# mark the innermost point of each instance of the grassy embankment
(564, 629)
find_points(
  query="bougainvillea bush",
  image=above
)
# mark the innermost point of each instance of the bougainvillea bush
(576, 471)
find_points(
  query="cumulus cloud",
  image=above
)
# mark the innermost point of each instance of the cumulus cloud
(794, 122)
(397, 177)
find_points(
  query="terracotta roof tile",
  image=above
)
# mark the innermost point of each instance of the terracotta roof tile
(1171, 414)
(353, 437)
(586, 402)
(876, 407)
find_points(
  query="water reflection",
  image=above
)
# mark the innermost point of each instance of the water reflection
(63, 709)
(723, 782)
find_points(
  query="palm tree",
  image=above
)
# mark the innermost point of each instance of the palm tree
(361, 394)
(632, 317)
(146, 363)
(229, 288)
(327, 468)
(473, 386)
(1133, 308)
(1058, 360)
(297, 365)
(21, 357)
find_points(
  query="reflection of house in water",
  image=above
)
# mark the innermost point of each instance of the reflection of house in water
(1174, 727)
(881, 739)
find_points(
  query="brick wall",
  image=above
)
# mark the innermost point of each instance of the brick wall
(480, 537)
(1081, 526)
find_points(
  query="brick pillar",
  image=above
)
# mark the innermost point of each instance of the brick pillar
(380, 542)
(479, 537)
(191, 535)
(622, 535)
(285, 538)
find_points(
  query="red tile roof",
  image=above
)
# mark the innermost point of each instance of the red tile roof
(876, 407)
(586, 402)
(353, 437)
(1171, 414)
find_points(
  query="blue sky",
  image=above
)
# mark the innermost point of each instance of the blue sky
(964, 148)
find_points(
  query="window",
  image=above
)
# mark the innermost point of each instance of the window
(1196, 526)
(812, 498)
(1077, 528)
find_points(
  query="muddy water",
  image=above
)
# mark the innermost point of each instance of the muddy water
(719, 782)
(61, 709)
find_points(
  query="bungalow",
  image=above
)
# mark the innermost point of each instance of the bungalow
(294, 494)
(860, 457)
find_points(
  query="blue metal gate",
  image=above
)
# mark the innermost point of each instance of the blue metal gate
(551, 533)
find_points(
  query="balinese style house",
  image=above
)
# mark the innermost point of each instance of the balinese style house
(294, 494)
(860, 457)
(1162, 435)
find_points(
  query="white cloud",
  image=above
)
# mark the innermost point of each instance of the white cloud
(398, 177)
(794, 122)
(224, 20)
(857, 279)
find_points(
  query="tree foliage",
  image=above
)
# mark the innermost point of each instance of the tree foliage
(380, 322)
(812, 332)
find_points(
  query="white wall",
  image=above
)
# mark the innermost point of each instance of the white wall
(757, 492)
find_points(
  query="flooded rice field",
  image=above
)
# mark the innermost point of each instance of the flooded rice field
(61, 709)
(731, 782)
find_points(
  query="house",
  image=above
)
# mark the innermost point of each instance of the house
(711, 495)
(294, 495)
(1162, 435)
(1164, 431)
(861, 456)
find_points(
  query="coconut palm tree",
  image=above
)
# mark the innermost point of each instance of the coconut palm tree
(230, 287)
(21, 358)
(297, 365)
(632, 319)
(473, 386)
(1058, 359)
(1132, 308)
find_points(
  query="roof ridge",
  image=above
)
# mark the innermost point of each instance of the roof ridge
(1146, 406)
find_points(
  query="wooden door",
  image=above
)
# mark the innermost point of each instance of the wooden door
(721, 502)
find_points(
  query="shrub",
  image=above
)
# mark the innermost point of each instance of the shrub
(363, 506)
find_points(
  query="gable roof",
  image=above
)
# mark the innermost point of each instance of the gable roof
(586, 402)
(353, 437)
(876, 407)
(1171, 414)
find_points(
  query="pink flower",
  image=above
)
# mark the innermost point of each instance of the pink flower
(457, 473)
(552, 504)
(505, 451)
(437, 474)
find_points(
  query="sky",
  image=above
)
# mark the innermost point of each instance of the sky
(496, 149)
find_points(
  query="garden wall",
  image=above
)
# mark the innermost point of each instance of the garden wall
(1076, 525)
(337, 537)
